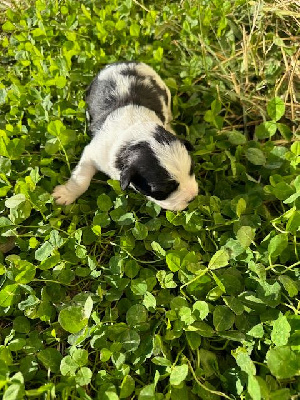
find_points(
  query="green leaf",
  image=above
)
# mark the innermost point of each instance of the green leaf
(234, 304)
(254, 388)
(266, 130)
(139, 287)
(147, 393)
(223, 318)
(8, 27)
(256, 331)
(80, 356)
(140, 231)
(73, 318)
(178, 374)
(241, 207)
(185, 315)
(166, 279)
(8, 294)
(16, 344)
(4, 222)
(255, 156)
(43, 252)
(285, 131)
(25, 272)
(289, 284)
(244, 361)
(164, 362)
(127, 387)
(201, 328)
(37, 32)
(50, 358)
(105, 355)
(68, 366)
(292, 198)
(193, 339)
(236, 138)
(245, 236)
(55, 239)
(83, 376)
(134, 29)
(104, 202)
(281, 394)
(282, 190)
(15, 201)
(283, 362)
(295, 148)
(296, 183)
(136, 315)
(277, 244)
(120, 25)
(130, 340)
(200, 309)
(149, 301)
(55, 128)
(276, 108)
(2, 96)
(281, 331)
(109, 395)
(219, 260)
(42, 389)
(86, 12)
(122, 218)
(15, 391)
(173, 260)
(80, 251)
(131, 268)
(158, 249)
(101, 220)
(158, 54)
(52, 146)
(21, 324)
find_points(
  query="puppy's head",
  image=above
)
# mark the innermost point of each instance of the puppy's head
(160, 168)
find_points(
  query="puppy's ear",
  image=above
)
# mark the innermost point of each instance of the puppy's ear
(188, 145)
(125, 177)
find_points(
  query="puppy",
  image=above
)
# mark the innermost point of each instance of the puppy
(129, 115)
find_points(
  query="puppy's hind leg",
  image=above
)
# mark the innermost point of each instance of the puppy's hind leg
(78, 183)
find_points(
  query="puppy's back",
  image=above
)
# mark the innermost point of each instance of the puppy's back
(126, 83)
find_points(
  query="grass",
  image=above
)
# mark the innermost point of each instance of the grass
(112, 297)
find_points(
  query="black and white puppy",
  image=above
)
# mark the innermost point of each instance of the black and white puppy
(129, 114)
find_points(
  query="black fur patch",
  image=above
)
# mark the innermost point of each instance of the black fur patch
(192, 169)
(162, 136)
(188, 145)
(101, 100)
(102, 96)
(139, 166)
(144, 95)
(132, 71)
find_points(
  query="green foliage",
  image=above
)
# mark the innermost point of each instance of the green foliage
(112, 297)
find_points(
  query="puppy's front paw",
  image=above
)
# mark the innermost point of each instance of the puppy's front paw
(63, 195)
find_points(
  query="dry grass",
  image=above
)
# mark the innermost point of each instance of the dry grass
(265, 64)
(13, 4)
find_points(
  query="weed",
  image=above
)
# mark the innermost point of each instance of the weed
(112, 297)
